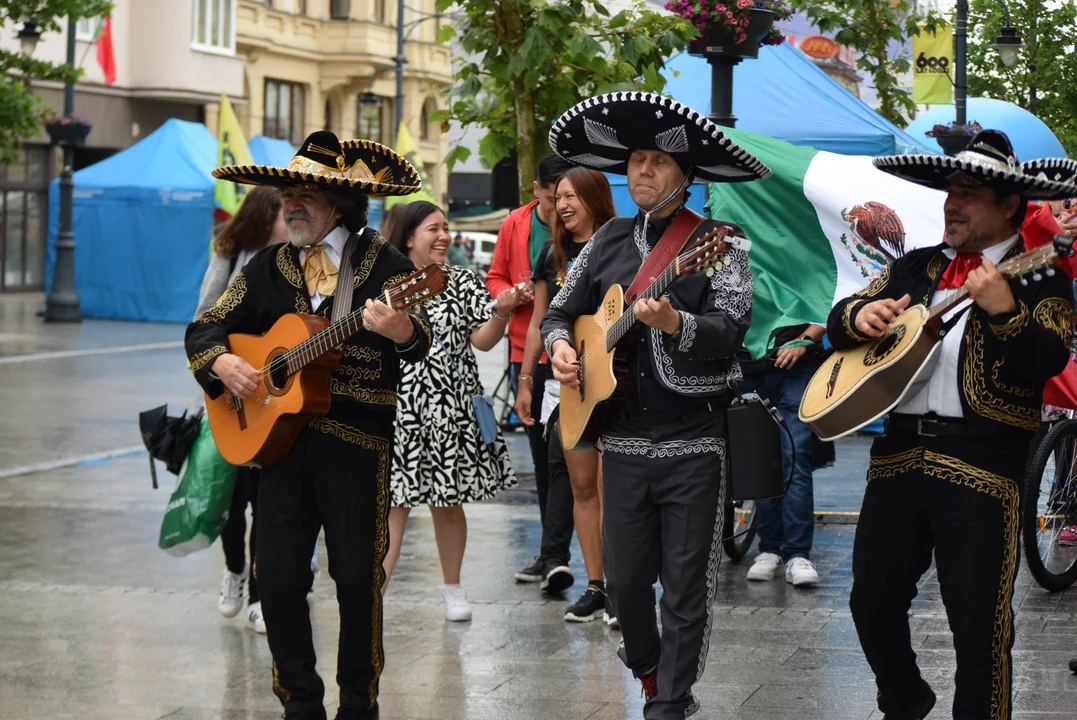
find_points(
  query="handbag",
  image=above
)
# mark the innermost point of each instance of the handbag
(482, 404)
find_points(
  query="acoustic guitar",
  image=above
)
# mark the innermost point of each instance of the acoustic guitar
(858, 386)
(603, 374)
(295, 358)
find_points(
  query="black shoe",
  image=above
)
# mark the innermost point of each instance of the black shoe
(590, 606)
(533, 572)
(919, 711)
(556, 578)
(351, 714)
(1073, 665)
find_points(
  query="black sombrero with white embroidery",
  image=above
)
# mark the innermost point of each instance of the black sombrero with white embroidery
(601, 132)
(323, 161)
(989, 160)
(1061, 170)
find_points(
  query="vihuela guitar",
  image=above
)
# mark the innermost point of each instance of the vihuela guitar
(602, 373)
(295, 359)
(858, 386)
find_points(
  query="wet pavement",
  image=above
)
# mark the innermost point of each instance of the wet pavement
(97, 622)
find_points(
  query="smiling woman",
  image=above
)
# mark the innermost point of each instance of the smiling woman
(440, 457)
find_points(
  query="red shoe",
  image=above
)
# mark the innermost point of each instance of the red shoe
(650, 685)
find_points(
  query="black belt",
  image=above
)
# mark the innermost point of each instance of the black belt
(927, 426)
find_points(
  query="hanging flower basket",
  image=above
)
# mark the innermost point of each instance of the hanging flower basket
(954, 138)
(68, 131)
(732, 28)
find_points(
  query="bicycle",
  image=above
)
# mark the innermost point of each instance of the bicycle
(1049, 506)
(740, 520)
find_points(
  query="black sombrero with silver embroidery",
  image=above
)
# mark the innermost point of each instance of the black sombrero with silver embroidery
(323, 161)
(1061, 170)
(601, 132)
(989, 160)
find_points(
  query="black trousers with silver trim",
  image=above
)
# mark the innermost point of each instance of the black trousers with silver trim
(956, 498)
(662, 520)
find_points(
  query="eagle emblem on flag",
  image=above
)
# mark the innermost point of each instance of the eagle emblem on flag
(876, 237)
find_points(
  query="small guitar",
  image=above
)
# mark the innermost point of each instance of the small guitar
(858, 386)
(296, 357)
(603, 375)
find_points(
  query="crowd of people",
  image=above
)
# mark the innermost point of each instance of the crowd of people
(404, 426)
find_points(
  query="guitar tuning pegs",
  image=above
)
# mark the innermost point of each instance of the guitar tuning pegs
(710, 272)
(1037, 276)
(1050, 272)
(1024, 281)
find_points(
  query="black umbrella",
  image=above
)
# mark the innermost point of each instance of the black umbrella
(168, 439)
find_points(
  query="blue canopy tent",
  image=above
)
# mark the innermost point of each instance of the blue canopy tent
(142, 221)
(271, 151)
(785, 95)
(1031, 138)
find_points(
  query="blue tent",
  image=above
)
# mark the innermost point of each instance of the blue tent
(142, 221)
(1031, 138)
(270, 151)
(785, 95)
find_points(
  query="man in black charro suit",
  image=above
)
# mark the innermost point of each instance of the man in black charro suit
(945, 475)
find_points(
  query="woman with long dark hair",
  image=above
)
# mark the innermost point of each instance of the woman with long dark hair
(439, 457)
(583, 203)
(258, 223)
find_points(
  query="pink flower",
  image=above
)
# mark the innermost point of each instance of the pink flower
(744, 4)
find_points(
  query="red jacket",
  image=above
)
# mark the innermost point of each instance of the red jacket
(512, 265)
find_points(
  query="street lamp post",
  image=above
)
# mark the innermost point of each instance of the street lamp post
(62, 303)
(402, 32)
(1008, 45)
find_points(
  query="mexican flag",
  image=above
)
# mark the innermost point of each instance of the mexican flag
(822, 227)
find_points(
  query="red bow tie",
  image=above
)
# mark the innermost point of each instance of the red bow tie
(957, 272)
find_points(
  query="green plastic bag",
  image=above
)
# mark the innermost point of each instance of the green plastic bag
(199, 507)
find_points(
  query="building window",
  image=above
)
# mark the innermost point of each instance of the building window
(215, 25)
(380, 12)
(370, 120)
(23, 195)
(426, 125)
(340, 9)
(86, 28)
(284, 111)
(301, 7)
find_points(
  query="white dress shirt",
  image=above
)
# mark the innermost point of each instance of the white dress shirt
(937, 391)
(334, 247)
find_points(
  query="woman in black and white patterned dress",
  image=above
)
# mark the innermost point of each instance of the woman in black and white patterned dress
(439, 458)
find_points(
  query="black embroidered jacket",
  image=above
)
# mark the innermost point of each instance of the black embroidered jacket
(1005, 359)
(672, 373)
(271, 285)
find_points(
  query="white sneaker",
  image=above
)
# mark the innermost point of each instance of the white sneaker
(764, 567)
(800, 572)
(254, 618)
(230, 600)
(456, 607)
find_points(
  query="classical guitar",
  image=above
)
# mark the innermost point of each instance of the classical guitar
(858, 386)
(295, 359)
(602, 373)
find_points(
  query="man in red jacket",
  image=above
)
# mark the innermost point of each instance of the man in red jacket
(519, 242)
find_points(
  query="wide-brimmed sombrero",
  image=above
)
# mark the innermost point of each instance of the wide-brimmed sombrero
(1061, 170)
(989, 160)
(602, 132)
(323, 162)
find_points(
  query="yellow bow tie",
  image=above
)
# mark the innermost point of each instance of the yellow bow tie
(319, 271)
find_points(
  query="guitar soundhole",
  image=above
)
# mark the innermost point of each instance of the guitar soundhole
(885, 345)
(279, 379)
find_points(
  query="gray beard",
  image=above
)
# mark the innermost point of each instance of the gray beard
(305, 238)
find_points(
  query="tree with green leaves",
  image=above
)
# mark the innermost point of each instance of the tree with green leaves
(22, 111)
(530, 60)
(875, 28)
(1044, 79)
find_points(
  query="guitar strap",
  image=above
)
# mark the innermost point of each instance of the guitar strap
(669, 246)
(342, 301)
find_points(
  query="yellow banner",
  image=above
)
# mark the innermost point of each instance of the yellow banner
(932, 63)
(405, 145)
(231, 150)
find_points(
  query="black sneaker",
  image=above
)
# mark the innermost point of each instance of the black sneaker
(590, 606)
(556, 578)
(533, 572)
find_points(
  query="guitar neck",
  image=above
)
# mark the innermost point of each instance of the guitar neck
(1031, 261)
(626, 322)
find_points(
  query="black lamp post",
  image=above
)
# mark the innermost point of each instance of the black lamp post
(62, 303)
(1008, 44)
(28, 36)
(721, 50)
(368, 101)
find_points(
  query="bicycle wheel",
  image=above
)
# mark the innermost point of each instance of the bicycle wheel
(1050, 506)
(739, 529)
